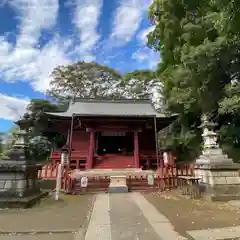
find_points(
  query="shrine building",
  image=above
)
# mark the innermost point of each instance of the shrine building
(110, 134)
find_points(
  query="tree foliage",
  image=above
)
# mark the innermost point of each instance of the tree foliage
(199, 67)
(83, 79)
(142, 84)
(41, 127)
(43, 135)
(92, 80)
(1, 144)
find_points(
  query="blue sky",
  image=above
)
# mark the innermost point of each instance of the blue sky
(38, 35)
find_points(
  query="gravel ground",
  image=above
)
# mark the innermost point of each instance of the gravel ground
(186, 214)
(68, 214)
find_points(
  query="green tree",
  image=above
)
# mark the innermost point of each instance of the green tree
(10, 137)
(83, 79)
(93, 80)
(1, 144)
(41, 127)
(43, 134)
(199, 45)
(195, 54)
(142, 84)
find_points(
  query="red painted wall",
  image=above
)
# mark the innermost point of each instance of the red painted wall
(147, 141)
(80, 140)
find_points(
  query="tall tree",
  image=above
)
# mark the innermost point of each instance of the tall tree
(194, 53)
(143, 84)
(40, 125)
(199, 44)
(1, 144)
(85, 80)
(43, 136)
(191, 53)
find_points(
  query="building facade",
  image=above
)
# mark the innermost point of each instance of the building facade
(111, 134)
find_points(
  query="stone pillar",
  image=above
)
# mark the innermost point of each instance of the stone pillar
(136, 150)
(91, 148)
(220, 178)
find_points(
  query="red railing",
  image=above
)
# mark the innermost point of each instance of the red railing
(78, 158)
(164, 178)
(49, 172)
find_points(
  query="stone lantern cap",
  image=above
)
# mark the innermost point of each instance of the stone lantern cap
(64, 149)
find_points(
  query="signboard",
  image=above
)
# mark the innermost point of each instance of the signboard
(113, 134)
(150, 179)
(84, 182)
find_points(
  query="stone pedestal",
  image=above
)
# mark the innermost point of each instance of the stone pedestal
(220, 178)
(19, 185)
(118, 184)
(219, 182)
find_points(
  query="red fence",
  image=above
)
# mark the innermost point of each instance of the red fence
(49, 172)
(164, 178)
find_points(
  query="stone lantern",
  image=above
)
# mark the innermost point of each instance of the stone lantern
(18, 172)
(211, 154)
(219, 175)
(64, 162)
(64, 156)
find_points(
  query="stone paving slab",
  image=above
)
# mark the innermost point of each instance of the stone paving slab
(128, 221)
(99, 225)
(128, 217)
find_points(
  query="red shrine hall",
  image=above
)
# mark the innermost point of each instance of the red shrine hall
(111, 134)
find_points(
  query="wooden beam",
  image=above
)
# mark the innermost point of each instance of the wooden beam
(114, 129)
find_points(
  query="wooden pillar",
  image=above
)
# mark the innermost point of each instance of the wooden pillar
(156, 141)
(70, 142)
(136, 150)
(68, 136)
(91, 148)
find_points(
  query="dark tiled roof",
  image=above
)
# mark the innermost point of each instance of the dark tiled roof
(119, 108)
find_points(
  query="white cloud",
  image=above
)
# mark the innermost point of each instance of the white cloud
(142, 36)
(127, 20)
(26, 61)
(11, 108)
(35, 16)
(86, 19)
(144, 55)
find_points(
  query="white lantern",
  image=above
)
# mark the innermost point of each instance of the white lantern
(64, 156)
(165, 158)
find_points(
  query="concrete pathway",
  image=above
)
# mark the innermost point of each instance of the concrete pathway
(128, 217)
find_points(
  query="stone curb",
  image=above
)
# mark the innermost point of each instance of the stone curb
(74, 230)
